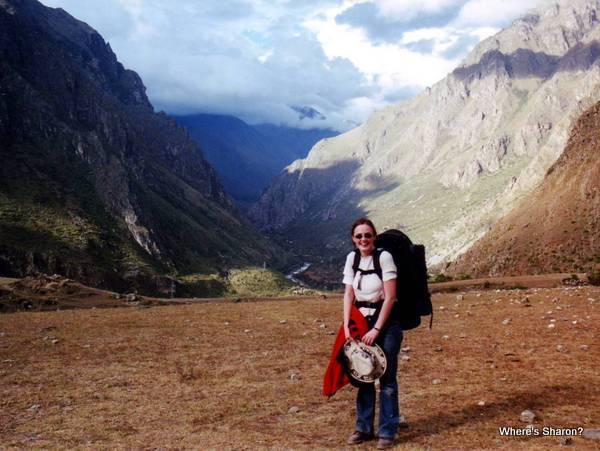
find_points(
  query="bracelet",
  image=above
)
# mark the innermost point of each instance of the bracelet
(377, 329)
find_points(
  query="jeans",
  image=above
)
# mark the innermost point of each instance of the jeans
(389, 414)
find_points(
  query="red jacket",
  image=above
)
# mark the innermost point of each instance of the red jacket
(335, 376)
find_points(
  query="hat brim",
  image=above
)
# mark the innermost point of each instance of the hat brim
(378, 357)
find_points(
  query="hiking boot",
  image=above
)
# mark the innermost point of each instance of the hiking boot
(358, 437)
(385, 443)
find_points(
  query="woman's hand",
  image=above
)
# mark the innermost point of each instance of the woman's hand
(370, 337)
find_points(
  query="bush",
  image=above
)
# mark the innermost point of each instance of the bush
(442, 278)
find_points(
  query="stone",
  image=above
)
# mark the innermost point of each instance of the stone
(438, 349)
(295, 377)
(460, 297)
(592, 434)
(481, 403)
(131, 297)
(527, 416)
(323, 326)
(584, 347)
(294, 409)
(506, 321)
(436, 381)
(442, 307)
(551, 326)
(283, 321)
(445, 337)
(560, 348)
(565, 441)
(406, 349)
(246, 330)
(55, 341)
(34, 408)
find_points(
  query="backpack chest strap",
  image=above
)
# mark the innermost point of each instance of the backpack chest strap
(376, 264)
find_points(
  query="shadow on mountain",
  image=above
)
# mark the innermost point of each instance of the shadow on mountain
(524, 63)
(310, 211)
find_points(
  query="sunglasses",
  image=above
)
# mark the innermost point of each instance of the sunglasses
(367, 236)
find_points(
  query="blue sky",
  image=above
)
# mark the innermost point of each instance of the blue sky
(259, 59)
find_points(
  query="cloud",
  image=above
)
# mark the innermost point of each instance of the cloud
(383, 27)
(485, 13)
(258, 60)
(407, 10)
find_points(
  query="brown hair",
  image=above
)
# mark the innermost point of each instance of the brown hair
(361, 221)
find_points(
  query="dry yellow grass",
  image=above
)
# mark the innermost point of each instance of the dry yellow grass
(218, 376)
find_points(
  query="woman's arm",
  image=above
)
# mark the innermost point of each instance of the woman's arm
(348, 301)
(389, 291)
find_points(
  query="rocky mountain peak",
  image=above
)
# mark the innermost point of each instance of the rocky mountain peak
(552, 29)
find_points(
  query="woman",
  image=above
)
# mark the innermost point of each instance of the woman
(375, 297)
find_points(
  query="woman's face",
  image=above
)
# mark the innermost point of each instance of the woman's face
(364, 239)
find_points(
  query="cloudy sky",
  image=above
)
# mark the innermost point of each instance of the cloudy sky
(257, 59)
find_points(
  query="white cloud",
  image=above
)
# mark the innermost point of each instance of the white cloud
(392, 64)
(485, 13)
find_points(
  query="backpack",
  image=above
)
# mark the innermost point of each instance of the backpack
(412, 292)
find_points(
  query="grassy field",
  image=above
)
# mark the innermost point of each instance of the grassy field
(225, 375)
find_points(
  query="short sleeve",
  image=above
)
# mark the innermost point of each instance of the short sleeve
(388, 267)
(348, 271)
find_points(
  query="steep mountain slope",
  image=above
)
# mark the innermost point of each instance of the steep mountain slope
(247, 157)
(447, 164)
(557, 227)
(93, 183)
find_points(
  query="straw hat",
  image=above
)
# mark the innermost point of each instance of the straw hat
(365, 363)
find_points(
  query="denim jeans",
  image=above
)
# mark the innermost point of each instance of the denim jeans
(389, 414)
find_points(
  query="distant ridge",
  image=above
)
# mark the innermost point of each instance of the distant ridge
(247, 157)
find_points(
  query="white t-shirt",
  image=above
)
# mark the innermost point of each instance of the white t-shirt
(371, 286)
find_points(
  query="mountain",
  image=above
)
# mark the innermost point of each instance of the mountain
(93, 183)
(447, 164)
(247, 157)
(557, 227)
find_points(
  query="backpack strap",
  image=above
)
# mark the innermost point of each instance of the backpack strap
(356, 261)
(377, 263)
